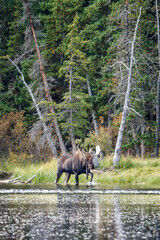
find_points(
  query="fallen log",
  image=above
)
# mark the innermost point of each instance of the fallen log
(15, 180)
(30, 179)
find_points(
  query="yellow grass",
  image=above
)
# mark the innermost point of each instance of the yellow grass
(132, 171)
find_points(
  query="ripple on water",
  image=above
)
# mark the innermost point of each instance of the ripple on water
(77, 191)
(79, 214)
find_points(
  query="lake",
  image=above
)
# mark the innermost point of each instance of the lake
(46, 211)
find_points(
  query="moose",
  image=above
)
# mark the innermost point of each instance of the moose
(81, 162)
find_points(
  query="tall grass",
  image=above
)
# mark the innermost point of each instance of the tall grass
(130, 171)
(45, 172)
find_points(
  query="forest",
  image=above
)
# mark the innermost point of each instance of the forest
(77, 73)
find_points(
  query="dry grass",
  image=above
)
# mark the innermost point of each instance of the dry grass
(132, 171)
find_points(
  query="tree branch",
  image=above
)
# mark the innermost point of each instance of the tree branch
(135, 111)
(46, 130)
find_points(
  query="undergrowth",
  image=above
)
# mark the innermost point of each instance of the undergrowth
(130, 171)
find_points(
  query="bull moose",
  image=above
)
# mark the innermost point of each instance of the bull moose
(81, 162)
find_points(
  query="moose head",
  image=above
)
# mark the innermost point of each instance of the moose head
(91, 160)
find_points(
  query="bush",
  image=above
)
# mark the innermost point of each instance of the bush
(104, 140)
(20, 158)
(13, 135)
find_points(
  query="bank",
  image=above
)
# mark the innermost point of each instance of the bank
(131, 171)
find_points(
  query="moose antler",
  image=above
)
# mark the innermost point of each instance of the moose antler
(98, 149)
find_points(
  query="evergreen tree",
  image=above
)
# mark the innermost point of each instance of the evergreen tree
(13, 95)
(56, 16)
(101, 36)
(75, 105)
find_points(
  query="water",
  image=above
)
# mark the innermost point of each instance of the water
(88, 212)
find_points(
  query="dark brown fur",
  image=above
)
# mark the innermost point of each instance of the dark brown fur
(79, 163)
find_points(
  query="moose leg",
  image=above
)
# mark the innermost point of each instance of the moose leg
(76, 178)
(91, 176)
(68, 175)
(58, 176)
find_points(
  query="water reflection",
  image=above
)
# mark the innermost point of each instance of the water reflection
(118, 218)
(79, 216)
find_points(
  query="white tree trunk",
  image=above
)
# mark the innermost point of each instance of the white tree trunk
(157, 116)
(127, 33)
(117, 153)
(143, 149)
(93, 113)
(158, 88)
(71, 110)
(45, 128)
(134, 134)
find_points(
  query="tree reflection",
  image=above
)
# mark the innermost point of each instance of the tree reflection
(79, 214)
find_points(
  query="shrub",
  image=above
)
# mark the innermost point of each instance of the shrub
(13, 135)
(104, 140)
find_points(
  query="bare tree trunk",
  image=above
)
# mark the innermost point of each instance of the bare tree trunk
(48, 97)
(117, 153)
(93, 113)
(143, 149)
(158, 116)
(158, 88)
(135, 138)
(109, 117)
(46, 130)
(127, 33)
(71, 110)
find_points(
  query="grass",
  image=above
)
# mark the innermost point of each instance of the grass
(132, 171)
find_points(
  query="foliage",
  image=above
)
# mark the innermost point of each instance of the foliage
(17, 145)
(93, 38)
(12, 133)
(104, 140)
(19, 158)
(74, 71)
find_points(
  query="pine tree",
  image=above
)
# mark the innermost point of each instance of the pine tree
(13, 96)
(75, 103)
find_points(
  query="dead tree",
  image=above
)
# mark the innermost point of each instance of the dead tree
(93, 112)
(158, 87)
(118, 148)
(44, 78)
(71, 110)
(46, 130)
